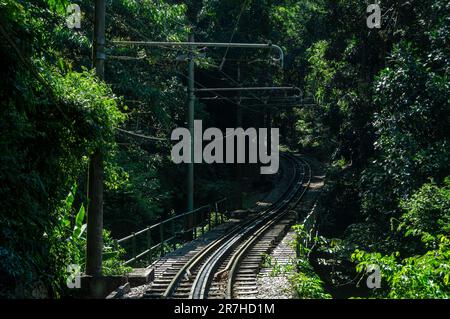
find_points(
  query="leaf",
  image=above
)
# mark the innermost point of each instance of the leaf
(82, 229)
(59, 6)
(71, 197)
(79, 227)
(110, 254)
(80, 217)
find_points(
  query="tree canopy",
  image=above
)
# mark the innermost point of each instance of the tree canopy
(375, 106)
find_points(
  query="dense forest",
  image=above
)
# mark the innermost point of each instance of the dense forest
(375, 109)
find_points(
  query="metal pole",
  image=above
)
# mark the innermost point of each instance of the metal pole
(149, 245)
(174, 244)
(239, 123)
(190, 120)
(134, 246)
(161, 237)
(191, 105)
(186, 234)
(267, 124)
(94, 245)
(194, 226)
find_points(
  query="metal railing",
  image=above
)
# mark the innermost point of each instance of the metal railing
(159, 238)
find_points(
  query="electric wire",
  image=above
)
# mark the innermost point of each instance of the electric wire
(152, 138)
(244, 5)
(223, 97)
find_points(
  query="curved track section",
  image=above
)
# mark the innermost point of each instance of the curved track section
(233, 258)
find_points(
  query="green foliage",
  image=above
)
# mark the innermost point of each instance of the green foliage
(305, 282)
(136, 189)
(322, 71)
(52, 119)
(72, 231)
(58, 5)
(113, 255)
(425, 275)
(94, 102)
(418, 277)
(267, 261)
(376, 103)
(143, 184)
(412, 125)
(382, 111)
(276, 269)
(308, 286)
(427, 213)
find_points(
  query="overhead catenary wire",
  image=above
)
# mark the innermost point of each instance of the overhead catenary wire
(152, 138)
(147, 37)
(172, 45)
(265, 99)
(126, 58)
(237, 83)
(169, 46)
(223, 97)
(256, 88)
(244, 5)
(229, 79)
(264, 103)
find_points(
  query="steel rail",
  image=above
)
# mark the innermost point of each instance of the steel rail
(206, 274)
(229, 265)
(233, 264)
(186, 270)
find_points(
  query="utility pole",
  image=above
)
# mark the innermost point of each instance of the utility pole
(191, 116)
(266, 120)
(239, 123)
(94, 245)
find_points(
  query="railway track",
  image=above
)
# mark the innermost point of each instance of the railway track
(227, 267)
